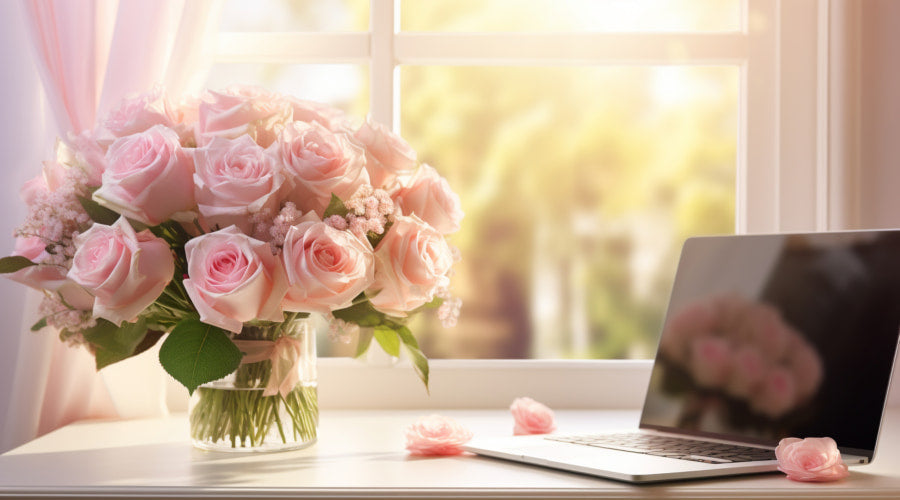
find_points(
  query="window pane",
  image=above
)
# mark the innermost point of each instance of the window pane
(345, 86)
(571, 15)
(579, 186)
(295, 15)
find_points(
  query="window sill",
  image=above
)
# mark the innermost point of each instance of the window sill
(587, 384)
(382, 383)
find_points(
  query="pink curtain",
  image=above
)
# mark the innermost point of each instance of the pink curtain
(90, 54)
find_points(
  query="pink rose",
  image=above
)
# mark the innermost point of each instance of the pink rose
(33, 189)
(137, 113)
(531, 417)
(49, 277)
(233, 278)
(86, 153)
(387, 154)
(777, 394)
(429, 196)
(125, 272)
(711, 361)
(242, 110)
(436, 435)
(810, 459)
(411, 262)
(234, 179)
(188, 111)
(148, 177)
(326, 268)
(311, 111)
(321, 163)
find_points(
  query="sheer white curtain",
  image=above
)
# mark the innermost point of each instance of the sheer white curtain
(89, 54)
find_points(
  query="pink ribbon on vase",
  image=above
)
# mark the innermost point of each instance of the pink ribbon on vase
(284, 353)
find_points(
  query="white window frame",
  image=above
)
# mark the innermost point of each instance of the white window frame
(788, 169)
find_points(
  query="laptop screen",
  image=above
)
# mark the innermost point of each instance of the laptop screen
(770, 336)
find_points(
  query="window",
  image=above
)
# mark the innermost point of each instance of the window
(587, 139)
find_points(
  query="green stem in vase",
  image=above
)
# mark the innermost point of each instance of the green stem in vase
(242, 417)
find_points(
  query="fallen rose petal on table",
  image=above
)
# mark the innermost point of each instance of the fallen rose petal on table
(810, 459)
(531, 417)
(436, 435)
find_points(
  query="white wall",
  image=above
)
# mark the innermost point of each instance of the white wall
(24, 147)
(880, 115)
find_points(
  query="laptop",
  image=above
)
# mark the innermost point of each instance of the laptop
(765, 337)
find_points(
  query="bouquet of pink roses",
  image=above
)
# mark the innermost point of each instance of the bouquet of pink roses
(190, 221)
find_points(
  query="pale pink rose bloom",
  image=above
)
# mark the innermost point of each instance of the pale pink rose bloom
(777, 395)
(321, 163)
(310, 111)
(711, 361)
(149, 177)
(429, 196)
(33, 189)
(137, 113)
(32, 248)
(531, 417)
(387, 154)
(188, 112)
(46, 277)
(436, 435)
(233, 278)
(126, 272)
(326, 268)
(811, 459)
(693, 320)
(54, 174)
(747, 372)
(86, 153)
(49, 277)
(411, 262)
(242, 110)
(234, 179)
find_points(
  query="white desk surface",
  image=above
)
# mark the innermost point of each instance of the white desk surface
(360, 454)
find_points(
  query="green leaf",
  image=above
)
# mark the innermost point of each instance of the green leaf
(388, 340)
(196, 353)
(411, 346)
(335, 207)
(420, 363)
(406, 335)
(114, 343)
(150, 339)
(40, 325)
(14, 263)
(363, 314)
(97, 212)
(363, 341)
(137, 225)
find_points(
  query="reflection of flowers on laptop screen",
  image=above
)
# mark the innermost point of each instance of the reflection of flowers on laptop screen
(742, 356)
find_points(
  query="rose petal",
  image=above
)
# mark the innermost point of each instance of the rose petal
(531, 417)
(810, 459)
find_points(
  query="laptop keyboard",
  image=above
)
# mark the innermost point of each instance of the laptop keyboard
(672, 447)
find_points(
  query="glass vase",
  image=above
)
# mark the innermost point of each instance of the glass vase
(260, 407)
